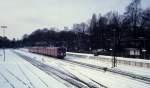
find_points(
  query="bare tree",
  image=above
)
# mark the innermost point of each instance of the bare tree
(133, 14)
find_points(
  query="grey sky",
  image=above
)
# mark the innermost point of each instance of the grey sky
(25, 16)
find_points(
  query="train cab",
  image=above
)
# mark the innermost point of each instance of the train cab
(61, 52)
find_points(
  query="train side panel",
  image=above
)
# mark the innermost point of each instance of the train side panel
(49, 51)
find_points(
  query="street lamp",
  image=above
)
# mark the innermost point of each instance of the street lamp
(90, 48)
(110, 51)
(4, 27)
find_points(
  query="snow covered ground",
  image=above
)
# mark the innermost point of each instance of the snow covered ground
(107, 57)
(91, 76)
(96, 61)
(18, 73)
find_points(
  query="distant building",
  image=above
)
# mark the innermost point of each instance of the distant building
(132, 52)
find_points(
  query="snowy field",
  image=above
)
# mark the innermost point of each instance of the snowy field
(18, 73)
(90, 76)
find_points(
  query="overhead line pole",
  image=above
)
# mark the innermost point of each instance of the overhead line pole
(114, 61)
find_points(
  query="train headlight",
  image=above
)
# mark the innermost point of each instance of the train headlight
(62, 54)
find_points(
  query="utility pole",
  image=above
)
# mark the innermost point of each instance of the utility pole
(4, 27)
(114, 50)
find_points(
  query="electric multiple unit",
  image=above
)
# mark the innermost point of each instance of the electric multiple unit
(57, 52)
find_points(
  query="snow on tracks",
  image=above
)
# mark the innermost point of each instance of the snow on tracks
(67, 77)
(132, 75)
(7, 80)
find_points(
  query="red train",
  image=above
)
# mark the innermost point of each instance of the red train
(58, 52)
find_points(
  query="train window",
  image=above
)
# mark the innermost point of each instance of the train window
(61, 49)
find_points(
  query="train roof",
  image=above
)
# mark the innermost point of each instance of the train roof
(47, 47)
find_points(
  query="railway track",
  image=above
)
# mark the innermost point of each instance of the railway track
(38, 77)
(24, 83)
(67, 77)
(52, 75)
(5, 78)
(33, 86)
(137, 77)
(120, 72)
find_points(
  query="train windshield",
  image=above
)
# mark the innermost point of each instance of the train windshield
(62, 50)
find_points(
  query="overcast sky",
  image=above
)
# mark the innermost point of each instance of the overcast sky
(25, 16)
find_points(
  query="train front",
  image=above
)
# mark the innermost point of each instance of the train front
(61, 52)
